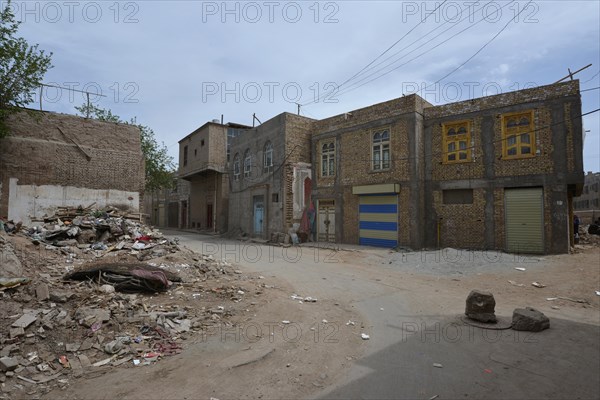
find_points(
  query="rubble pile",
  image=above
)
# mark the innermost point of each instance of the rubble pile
(70, 307)
(589, 234)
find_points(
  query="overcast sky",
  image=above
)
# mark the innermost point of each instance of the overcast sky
(178, 64)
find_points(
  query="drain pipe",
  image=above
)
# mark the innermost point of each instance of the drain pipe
(439, 231)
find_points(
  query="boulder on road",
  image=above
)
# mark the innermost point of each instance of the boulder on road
(529, 319)
(481, 306)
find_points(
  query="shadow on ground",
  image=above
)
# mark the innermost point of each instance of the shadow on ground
(559, 363)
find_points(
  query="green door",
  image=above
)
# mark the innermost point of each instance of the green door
(524, 214)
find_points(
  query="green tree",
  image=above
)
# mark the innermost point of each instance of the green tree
(22, 68)
(159, 164)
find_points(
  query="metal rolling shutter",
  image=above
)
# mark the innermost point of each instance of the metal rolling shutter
(378, 220)
(524, 215)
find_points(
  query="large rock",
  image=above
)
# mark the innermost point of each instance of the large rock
(529, 319)
(481, 306)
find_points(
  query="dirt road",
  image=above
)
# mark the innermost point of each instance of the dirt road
(408, 304)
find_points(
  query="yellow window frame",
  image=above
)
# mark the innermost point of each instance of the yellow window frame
(455, 134)
(518, 139)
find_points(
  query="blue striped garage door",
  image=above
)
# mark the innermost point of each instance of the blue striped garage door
(378, 220)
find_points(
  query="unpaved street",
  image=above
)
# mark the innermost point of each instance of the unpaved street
(409, 304)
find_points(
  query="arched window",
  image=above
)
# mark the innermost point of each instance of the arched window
(518, 134)
(457, 142)
(247, 163)
(381, 150)
(268, 157)
(236, 167)
(328, 159)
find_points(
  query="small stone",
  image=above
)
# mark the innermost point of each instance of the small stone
(60, 296)
(529, 319)
(16, 332)
(71, 347)
(87, 315)
(8, 364)
(42, 292)
(84, 361)
(481, 306)
(24, 321)
(107, 289)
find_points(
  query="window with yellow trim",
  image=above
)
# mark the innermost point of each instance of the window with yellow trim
(518, 135)
(457, 142)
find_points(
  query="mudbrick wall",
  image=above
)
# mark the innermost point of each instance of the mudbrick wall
(52, 159)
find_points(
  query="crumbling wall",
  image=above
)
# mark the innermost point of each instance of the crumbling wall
(64, 160)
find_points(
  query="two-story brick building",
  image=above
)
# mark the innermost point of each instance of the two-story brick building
(203, 162)
(498, 172)
(268, 173)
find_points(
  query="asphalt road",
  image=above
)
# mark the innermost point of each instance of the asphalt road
(413, 326)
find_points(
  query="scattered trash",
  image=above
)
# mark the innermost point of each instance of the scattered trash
(285, 322)
(597, 292)
(520, 269)
(350, 323)
(434, 397)
(582, 301)
(538, 285)
(437, 365)
(364, 336)
(64, 361)
(487, 371)
(121, 306)
(324, 321)
(516, 284)
(6, 283)
(551, 298)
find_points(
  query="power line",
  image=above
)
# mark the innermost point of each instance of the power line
(587, 90)
(480, 49)
(395, 43)
(416, 57)
(595, 75)
(420, 46)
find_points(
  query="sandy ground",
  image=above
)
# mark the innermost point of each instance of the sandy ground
(318, 350)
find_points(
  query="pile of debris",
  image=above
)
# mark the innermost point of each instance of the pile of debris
(70, 308)
(589, 234)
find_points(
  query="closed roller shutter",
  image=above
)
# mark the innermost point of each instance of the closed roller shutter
(378, 220)
(524, 213)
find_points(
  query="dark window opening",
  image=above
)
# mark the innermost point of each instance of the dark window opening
(458, 196)
(185, 155)
(275, 197)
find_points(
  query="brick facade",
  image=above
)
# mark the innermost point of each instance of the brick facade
(203, 163)
(273, 187)
(57, 155)
(421, 169)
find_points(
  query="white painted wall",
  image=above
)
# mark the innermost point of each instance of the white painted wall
(31, 201)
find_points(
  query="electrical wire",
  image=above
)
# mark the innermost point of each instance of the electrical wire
(351, 88)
